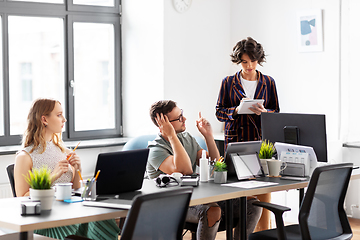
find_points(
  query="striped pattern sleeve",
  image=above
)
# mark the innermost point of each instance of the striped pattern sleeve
(227, 101)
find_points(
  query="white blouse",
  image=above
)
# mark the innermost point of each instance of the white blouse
(50, 157)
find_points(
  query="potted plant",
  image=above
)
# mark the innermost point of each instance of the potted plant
(220, 171)
(266, 152)
(39, 180)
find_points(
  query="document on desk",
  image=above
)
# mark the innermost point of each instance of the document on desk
(249, 184)
(109, 203)
(246, 104)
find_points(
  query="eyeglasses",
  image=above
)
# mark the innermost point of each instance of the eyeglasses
(181, 117)
(165, 180)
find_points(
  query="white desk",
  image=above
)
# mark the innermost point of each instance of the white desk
(61, 214)
(72, 213)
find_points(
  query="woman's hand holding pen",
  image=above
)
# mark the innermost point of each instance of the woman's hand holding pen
(237, 108)
(74, 160)
(60, 168)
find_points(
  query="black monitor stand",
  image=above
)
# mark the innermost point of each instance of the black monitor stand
(291, 135)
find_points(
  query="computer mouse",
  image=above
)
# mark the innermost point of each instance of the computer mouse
(117, 196)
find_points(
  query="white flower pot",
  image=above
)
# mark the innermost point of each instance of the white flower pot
(265, 166)
(46, 197)
(220, 177)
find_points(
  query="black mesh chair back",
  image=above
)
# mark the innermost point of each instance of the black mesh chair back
(322, 214)
(159, 216)
(10, 172)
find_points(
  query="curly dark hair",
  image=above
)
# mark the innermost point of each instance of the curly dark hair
(251, 47)
(162, 106)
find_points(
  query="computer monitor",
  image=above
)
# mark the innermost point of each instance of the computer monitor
(296, 128)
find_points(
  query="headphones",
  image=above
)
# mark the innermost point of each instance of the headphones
(164, 180)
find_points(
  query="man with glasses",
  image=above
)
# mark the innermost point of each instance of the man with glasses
(175, 150)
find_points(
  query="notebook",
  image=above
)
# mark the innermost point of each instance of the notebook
(120, 172)
(239, 147)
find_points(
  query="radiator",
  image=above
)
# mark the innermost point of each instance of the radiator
(5, 191)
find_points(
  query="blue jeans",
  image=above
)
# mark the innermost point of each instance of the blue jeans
(197, 214)
(253, 215)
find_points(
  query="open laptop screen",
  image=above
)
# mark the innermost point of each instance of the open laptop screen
(121, 171)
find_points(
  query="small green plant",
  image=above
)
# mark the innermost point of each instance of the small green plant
(267, 150)
(39, 178)
(220, 166)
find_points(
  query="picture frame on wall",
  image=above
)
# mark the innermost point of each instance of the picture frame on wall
(310, 30)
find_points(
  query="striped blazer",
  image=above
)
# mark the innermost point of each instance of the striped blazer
(244, 127)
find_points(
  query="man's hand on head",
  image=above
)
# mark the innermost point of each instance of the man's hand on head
(166, 128)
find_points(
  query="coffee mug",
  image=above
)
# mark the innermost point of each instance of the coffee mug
(63, 191)
(275, 167)
(177, 176)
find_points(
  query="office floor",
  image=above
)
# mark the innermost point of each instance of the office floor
(355, 226)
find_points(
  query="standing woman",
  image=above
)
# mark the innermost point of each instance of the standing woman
(43, 146)
(248, 83)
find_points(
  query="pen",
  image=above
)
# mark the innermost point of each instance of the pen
(97, 175)
(67, 159)
(80, 175)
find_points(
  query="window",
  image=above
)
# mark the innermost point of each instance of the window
(69, 53)
(26, 81)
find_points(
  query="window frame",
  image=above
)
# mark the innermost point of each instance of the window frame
(71, 124)
(69, 13)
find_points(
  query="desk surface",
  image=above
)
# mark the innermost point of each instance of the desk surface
(61, 214)
(72, 213)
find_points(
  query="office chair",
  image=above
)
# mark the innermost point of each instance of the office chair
(201, 142)
(10, 172)
(139, 142)
(321, 214)
(158, 215)
(142, 142)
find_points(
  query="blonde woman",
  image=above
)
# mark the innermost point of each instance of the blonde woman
(43, 146)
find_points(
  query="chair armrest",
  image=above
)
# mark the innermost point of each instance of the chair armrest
(278, 211)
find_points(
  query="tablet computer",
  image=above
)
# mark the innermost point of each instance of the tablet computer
(247, 165)
(248, 103)
(239, 147)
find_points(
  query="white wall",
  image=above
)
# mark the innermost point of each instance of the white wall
(167, 55)
(197, 57)
(142, 63)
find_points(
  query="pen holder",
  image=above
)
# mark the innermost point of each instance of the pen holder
(89, 190)
(211, 172)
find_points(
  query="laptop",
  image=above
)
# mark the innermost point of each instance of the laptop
(239, 147)
(120, 172)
